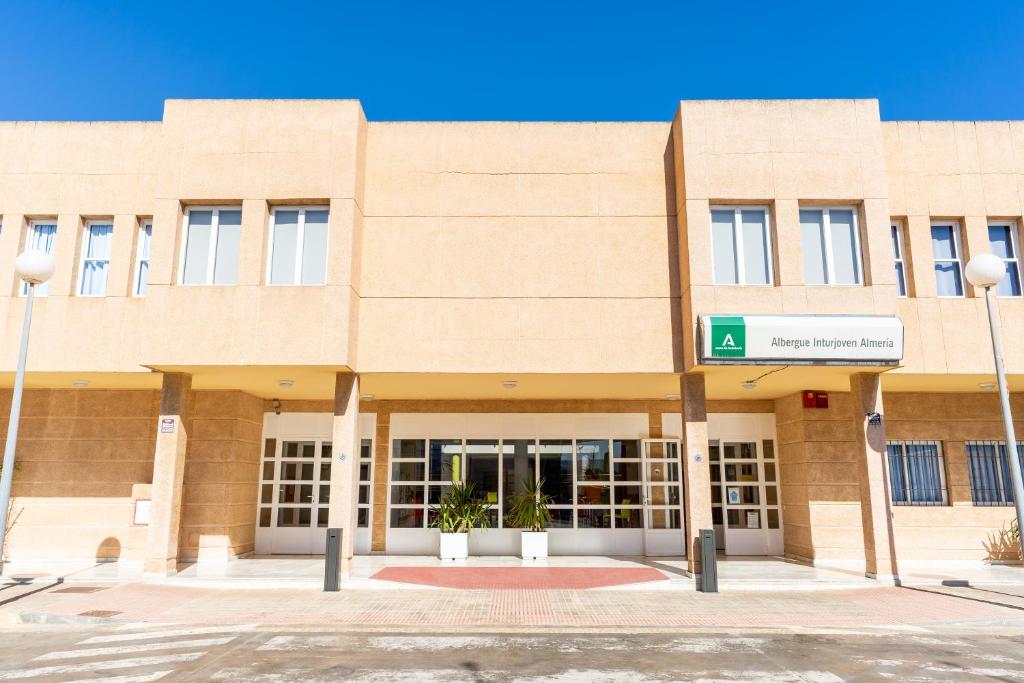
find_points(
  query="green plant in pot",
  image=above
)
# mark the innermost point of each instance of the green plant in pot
(459, 510)
(529, 511)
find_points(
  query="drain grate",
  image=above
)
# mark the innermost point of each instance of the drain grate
(80, 589)
(99, 613)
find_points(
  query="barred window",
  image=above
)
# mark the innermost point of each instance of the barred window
(990, 474)
(917, 473)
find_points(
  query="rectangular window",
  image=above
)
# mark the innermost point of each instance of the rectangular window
(41, 236)
(209, 251)
(946, 252)
(142, 258)
(831, 246)
(298, 246)
(1004, 242)
(741, 245)
(989, 472)
(92, 277)
(917, 473)
(898, 250)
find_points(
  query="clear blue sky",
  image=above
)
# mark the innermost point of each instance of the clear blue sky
(515, 60)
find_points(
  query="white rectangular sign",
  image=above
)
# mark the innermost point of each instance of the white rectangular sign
(859, 339)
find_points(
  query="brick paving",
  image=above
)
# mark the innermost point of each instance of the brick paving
(560, 608)
(519, 578)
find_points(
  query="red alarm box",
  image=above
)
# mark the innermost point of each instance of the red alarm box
(815, 399)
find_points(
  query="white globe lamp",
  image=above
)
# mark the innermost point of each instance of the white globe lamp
(985, 270)
(34, 267)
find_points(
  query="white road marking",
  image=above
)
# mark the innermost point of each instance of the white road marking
(134, 649)
(982, 672)
(140, 678)
(299, 643)
(129, 663)
(173, 633)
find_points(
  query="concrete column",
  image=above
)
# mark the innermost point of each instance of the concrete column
(345, 468)
(381, 447)
(875, 503)
(168, 472)
(696, 473)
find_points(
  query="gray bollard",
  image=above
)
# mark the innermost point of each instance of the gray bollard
(332, 561)
(708, 562)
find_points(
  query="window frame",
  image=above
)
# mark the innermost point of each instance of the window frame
(574, 506)
(830, 265)
(907, 491)
(137, 270)
(299, 239)
(900, 260)
(82, 258)
(741, 272)
(1012, 226)
(214, 236)
(959, 260)
(42, 289)
(1005, 496)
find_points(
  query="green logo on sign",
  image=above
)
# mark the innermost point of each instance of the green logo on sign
(728, 336)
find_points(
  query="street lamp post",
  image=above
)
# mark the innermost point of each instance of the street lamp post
(35, 268)
(985, 271)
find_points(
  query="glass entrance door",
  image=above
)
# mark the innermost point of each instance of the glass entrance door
(745, 497)
(663, 498)
(295, 490)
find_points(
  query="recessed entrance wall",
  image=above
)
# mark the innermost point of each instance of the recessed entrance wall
(745, 502)
(613, 491)
(294, 489)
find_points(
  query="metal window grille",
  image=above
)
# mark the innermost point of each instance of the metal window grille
(917, 473)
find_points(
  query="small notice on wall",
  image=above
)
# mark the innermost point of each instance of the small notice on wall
(167, 425)
(141, 517)
(733, 493)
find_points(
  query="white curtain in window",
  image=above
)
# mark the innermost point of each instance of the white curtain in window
(812, 237)
(40, 238)
(723, 244)
(285, 242)
(844, 247)
(1000, 238)
(948, 281)
(197, 247)
(314, 248)
(96, 259)
(142, 276)
(229, 240)
(755, 247)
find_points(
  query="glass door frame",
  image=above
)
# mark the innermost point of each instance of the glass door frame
(738, 540)
(669, 537)
(300, 539)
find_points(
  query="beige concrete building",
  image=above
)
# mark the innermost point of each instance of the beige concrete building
(270, 317)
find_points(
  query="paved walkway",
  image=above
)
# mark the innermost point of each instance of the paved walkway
(519, 578)
(528, 609)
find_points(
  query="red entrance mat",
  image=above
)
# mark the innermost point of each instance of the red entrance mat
(520, 578)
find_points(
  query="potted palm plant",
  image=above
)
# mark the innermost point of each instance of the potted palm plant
(459, 511)
(529, 511)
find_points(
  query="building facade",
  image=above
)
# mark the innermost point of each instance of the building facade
(270, 317)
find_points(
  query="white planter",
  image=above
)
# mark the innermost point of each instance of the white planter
(534, 545)
(454, 546)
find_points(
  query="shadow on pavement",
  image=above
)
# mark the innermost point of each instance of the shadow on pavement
(27, 593)
(968, 597)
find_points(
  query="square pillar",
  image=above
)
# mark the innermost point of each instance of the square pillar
(875, 502)
(168, 473)
(345, 465)
(696, 472)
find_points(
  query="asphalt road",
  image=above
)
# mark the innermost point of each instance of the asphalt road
(253, 654)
